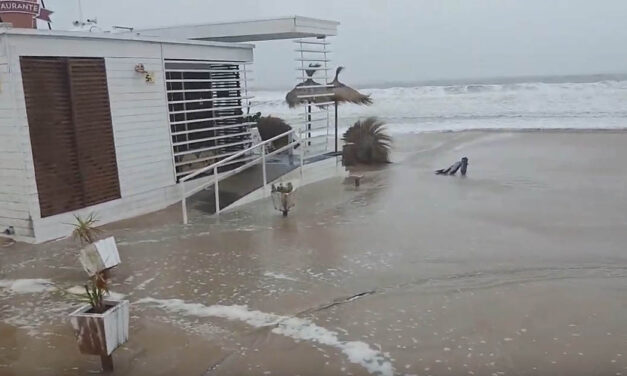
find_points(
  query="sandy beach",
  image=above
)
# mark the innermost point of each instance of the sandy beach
(518, 268)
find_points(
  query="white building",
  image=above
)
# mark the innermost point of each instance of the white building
(107, 123)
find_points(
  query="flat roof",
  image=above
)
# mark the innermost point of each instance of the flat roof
(123, 36)
(250, 31)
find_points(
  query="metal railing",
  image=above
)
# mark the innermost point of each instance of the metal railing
(219, 177)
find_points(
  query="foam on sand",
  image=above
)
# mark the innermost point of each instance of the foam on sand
(297, 328)
(27, 286)
(278, 276)
(80, 290)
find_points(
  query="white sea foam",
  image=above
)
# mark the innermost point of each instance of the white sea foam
(597, 105)
(80, 290)
(143, 285)
(357, 352)
(278, 276)
(27, 286)
(76, 290)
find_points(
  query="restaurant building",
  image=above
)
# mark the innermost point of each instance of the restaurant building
(109, 122)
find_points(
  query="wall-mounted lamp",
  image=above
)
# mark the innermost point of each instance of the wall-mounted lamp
(148, 76)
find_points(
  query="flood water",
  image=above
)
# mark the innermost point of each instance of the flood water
(518, 268)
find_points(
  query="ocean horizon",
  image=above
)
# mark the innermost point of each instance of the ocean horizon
(532, 102)
(570, 78)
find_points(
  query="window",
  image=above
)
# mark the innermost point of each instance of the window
(208, 112)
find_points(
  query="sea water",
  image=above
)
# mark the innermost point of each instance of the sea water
(600, 104)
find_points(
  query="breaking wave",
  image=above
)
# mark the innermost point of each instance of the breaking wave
(533, 105)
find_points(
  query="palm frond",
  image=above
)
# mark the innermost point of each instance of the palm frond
(346, 94)
(369, 142)
(270, 126)
(307, 88)
(95, 292)
(338, 92)
(84, 228)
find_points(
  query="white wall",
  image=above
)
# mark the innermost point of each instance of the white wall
(140, 127)
(17, 186)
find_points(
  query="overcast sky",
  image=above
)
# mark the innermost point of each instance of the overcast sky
(407, 40)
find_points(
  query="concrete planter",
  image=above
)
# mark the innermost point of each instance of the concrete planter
(101, 333)
(283, 202)
(99, 256)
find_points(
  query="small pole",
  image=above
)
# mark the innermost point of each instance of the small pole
(43, 5)
(216, 188)
(335, 127)
(309, 122)
(302, 156)
(184, 203)
(263, 168)
(107, 362)
(80, 11)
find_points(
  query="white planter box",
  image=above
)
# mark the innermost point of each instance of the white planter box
(99, 256)
(101, 333)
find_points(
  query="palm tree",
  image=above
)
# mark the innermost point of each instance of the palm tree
(367, 142)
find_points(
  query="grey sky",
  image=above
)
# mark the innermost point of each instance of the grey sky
(408, 40)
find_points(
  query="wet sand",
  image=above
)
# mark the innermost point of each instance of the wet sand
(519, 268)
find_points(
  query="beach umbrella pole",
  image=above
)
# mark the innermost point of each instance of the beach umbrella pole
(309, 123)
(336, 127)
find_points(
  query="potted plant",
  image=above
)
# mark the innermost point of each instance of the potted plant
(101, 325)
(283, 197)
(97, 255)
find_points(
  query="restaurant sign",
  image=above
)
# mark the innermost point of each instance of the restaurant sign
(23, 9)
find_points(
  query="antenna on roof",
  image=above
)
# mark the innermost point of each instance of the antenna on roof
(80, 11)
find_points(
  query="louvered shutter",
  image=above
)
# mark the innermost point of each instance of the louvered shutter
(93, 130)
(69, 117)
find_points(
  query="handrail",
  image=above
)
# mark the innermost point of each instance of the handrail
(241, 152)
(216, 179)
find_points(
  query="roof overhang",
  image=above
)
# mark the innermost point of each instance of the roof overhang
(250, 31)
(124, 36)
